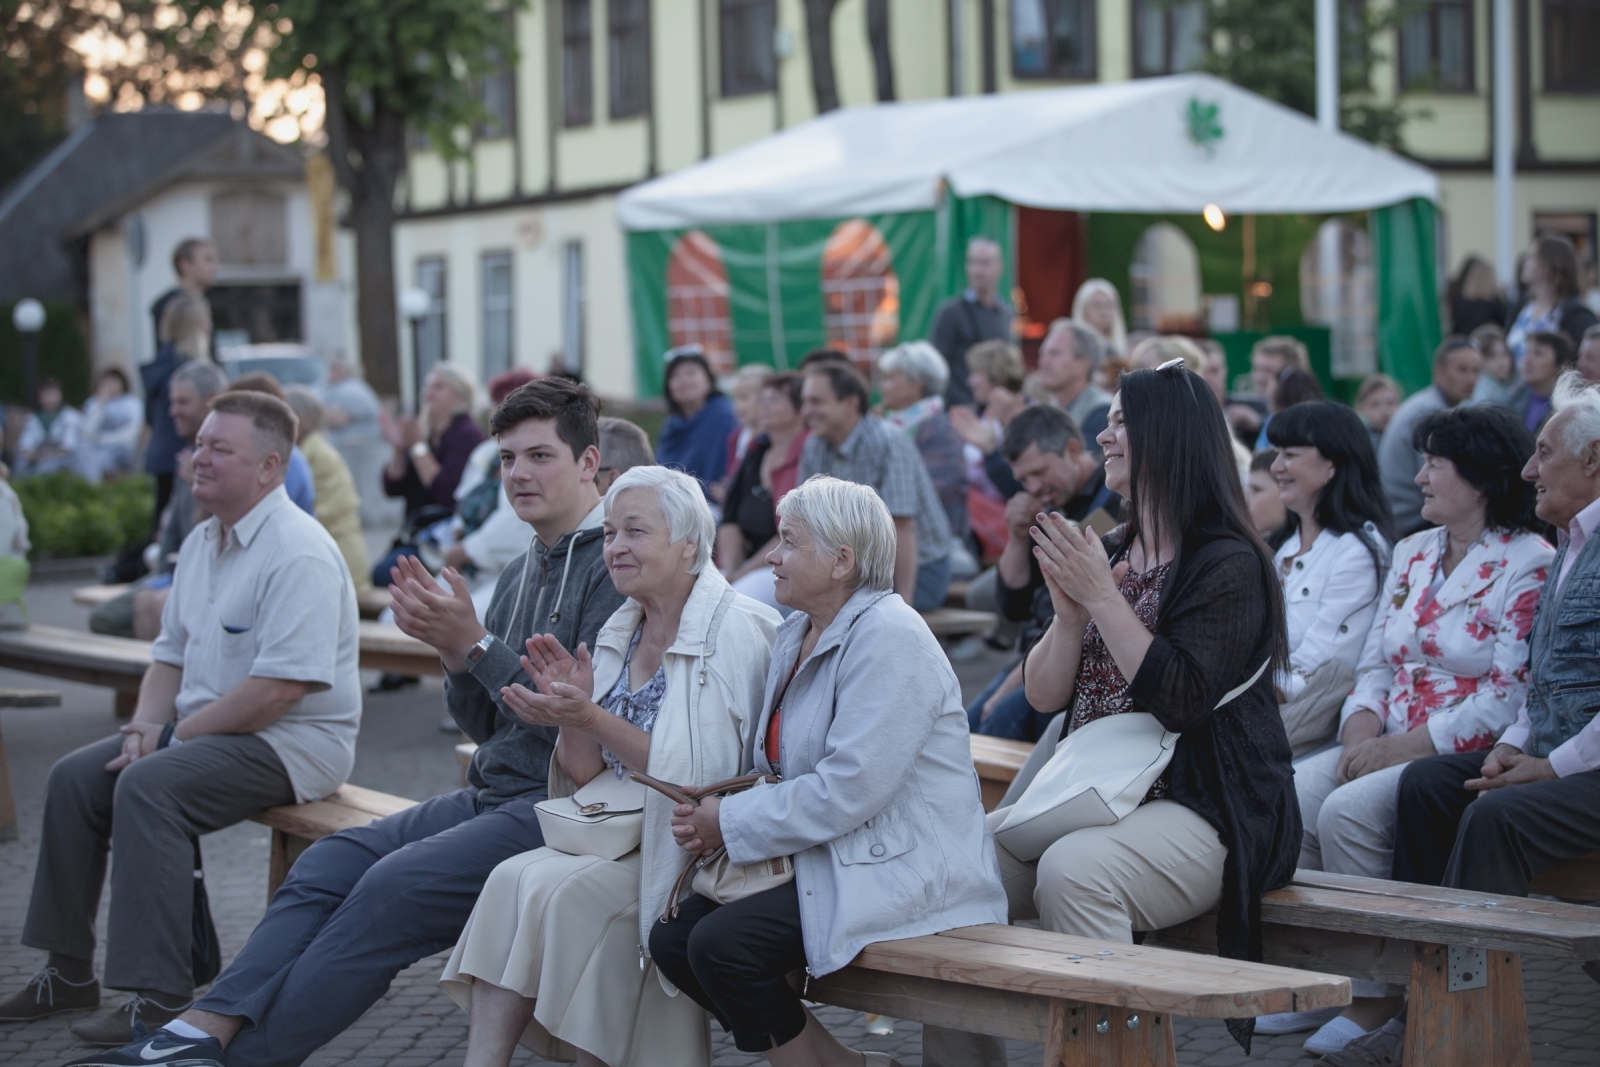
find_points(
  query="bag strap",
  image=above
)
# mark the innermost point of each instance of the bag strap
(1233, 693)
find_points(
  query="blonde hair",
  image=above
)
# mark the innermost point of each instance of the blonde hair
(839, 513)
(1152, 352)
(459, 384)
(186, 325)
(1118, 341)
(998, 361)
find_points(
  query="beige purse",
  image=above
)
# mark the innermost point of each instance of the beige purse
(604, 818)
(716, 877)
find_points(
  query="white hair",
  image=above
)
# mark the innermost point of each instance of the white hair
(682, 502)
(1576, 395)
(1086, 344)
(839, 513)
(921, 362)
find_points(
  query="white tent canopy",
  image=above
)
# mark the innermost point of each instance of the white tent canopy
(1172, 144)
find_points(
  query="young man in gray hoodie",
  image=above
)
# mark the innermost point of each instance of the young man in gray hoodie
(360, 906)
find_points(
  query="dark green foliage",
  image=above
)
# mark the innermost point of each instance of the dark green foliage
(62, 353)
(69, 517)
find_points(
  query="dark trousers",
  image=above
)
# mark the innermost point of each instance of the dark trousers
(356, 909)
(146, 813)
(1013, 717)
(732, 960)
(1494, 842)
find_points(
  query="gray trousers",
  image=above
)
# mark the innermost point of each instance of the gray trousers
(147, 814)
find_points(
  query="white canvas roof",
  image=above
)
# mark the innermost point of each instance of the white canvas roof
(1171, 144)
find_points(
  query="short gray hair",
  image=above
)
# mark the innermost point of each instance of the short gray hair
(623, 446)
(307, 406)
(1582, 399)
(682, 502)
(919, 361)
(839, 513)
(1086, 344)
(203, 376)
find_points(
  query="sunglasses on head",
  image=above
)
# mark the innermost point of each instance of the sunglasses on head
(1177, 366)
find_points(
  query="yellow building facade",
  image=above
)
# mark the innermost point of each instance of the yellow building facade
(519, 247)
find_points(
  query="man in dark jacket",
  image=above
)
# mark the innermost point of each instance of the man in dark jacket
(978, 314)
(365, 903)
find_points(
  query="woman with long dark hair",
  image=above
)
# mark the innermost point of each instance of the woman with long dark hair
(1333, 552)
(1445, 665)
(1179, 614)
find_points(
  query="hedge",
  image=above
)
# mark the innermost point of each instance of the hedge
(69, 517)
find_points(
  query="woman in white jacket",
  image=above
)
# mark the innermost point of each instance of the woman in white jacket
(555, 954)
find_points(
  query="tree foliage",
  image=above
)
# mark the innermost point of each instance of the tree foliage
(1269, 47)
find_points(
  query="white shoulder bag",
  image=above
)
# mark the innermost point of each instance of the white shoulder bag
(1096, 777)
(604, 818)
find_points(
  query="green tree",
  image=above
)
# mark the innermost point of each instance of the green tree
(385, 66)
(36, 67)
(1269, 47)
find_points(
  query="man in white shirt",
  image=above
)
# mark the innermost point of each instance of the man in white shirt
(1490, 821)
(252, 700)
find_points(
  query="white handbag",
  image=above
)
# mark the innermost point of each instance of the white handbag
(604, 818)
(1096, 777)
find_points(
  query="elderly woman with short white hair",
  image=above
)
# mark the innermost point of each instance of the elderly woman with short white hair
(554, 954)
(911, 383)
(875, 800)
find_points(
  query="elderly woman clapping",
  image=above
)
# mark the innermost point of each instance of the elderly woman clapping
(878, 804)
(555, 947)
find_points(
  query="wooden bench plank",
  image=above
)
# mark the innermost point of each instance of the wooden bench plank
(386, 648)
(92, 596)
(958, 622)
(296, 826)
(997, 761)
(92, 659)
(1577, 879)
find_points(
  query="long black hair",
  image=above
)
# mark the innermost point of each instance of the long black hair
(1354, 496)
(1183, 478)
(1489, 446)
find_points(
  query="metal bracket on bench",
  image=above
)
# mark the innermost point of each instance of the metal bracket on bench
(1469, 969)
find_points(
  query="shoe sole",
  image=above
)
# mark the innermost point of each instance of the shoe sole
(154, 1063)
(45, 1014)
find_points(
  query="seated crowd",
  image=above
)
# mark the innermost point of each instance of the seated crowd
(717, 647)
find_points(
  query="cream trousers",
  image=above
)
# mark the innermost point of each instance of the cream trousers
(1160, 866)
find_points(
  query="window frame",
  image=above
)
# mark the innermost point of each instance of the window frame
(616, 30)
(726, 9)
(499, 127)
(1091, 71)
(505, 305)
(425, 269)
(1547, 50)
(1167, 34)
(574, 306)
(575, 112)
(1469, 47)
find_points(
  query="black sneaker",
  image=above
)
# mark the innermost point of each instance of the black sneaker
(163, 1047)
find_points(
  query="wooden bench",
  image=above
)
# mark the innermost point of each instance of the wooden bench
(296, 826)
(1090, 1003)
(958, 622)
(1577, 879)
(1458, 952)
(371, 602)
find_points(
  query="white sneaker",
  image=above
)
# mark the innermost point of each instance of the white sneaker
(1333, 1036)
(1295, 1022)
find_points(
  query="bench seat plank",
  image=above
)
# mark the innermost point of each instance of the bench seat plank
(958, 622)
(92, 596)
(74, 655)
(1039, 963)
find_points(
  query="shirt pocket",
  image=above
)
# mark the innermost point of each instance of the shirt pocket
(1577, 629)
(882, 837)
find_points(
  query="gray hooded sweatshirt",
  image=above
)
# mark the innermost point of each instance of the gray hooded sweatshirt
(563, 590)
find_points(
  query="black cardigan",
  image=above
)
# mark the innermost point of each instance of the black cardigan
(1231, 765)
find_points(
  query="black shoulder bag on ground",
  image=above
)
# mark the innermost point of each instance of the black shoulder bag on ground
(205, 954)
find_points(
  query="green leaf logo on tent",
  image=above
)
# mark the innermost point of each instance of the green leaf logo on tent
(1204, 124)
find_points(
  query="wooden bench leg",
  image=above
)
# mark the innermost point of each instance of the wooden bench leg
(1094, 1035)
(1484, 1026)
(8, 806)
(125, 704)
(284, 850)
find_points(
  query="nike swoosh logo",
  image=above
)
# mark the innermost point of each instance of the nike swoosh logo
(160, 1053)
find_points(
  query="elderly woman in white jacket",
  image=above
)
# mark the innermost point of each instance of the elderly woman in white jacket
(554, 956)
(877, 804)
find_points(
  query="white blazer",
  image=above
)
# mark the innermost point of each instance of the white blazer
(1330, 597)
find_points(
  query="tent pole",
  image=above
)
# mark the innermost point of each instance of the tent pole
(1327, 22)
(1504, 136)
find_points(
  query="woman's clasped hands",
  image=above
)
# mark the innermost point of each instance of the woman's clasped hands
(565, 686)
(1076, 569)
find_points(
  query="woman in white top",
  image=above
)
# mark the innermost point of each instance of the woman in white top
(1333, 556)
(555, 956)
(112, 421)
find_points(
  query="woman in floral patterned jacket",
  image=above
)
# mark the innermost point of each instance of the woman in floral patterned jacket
(1445, 667)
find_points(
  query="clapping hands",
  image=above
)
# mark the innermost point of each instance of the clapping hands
(565, 685)
(1076, 569)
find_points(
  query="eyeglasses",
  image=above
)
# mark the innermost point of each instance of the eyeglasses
(1177, 365)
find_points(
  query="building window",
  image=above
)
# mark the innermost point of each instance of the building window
(249, 227)
(697, 299)
(1436, 46)
(577, 63)
(629, 66)
(1053, 39)
(860, 293)
(497, 89)
(1165, 276)
(574, 306)
(1169, 36)
(745, 29)
(429, 335)
(1571, 43)
(497, 300)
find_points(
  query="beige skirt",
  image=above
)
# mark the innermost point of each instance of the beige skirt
(564, 931)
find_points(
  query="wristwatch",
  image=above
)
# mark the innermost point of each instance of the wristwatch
(419, 450)
(475, 653)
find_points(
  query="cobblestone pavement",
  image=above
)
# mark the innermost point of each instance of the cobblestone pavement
(402, 751)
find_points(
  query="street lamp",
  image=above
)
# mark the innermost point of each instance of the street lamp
(28, 317)
(415, 304)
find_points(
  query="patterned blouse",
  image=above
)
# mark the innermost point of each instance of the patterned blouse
(639, 707)
(1101, 688)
